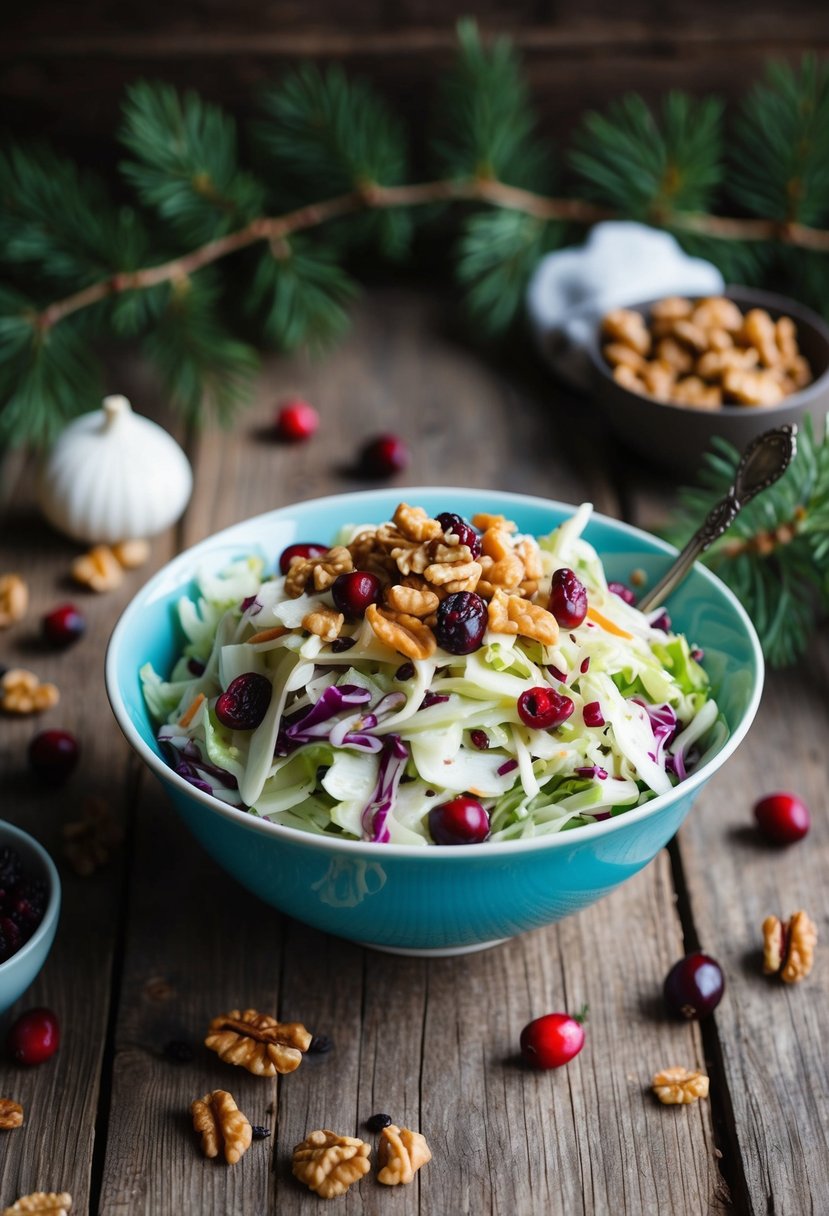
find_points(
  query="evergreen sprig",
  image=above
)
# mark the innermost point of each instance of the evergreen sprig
(325, 171)
(775, 555)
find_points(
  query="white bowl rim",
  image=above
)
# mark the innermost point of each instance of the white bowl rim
(369, 848)
(53, 904)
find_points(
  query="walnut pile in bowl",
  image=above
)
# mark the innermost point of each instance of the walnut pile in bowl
(705, 353)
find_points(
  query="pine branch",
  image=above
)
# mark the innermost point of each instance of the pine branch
(498, 252)
(301, 293)
(774, 555)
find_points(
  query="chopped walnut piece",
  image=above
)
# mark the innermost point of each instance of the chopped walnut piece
(258, 1042)
(752, 388)
(324, 622)
(671, 308)
(620, 355)
(21, 692)
(328, 1163)
(327, 569)
(484, 520)
(678, 1086)
(401, 1153)
(14, 599)
(89, 842)
(412, 601)
(405, 634)
(716, 312)
(626, 326)
(131, 553)
(41, 1203)
(299, 572)
(11, 1114)
(690, 334)
(221, 1125)
(99, 569)
(789, 949)
(415, 524)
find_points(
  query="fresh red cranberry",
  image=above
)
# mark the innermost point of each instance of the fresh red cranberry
(462, 622)
(694, 986)
(34, 1037)
(623, 592)
(480, 739)
(353, 592)
(244, 703)
(296, 420)
(544, 708)
(63, 625)
(383, 456)
(465, 533)
(309, 550)
(782, 818)
(552, 1040)
(568, 598)
(461, 821)
(53, 755)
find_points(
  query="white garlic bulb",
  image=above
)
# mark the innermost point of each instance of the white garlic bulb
(113, 475)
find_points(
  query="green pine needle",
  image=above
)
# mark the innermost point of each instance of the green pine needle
(497, 254)
(650, 167)
(485, 124)
(301, 293)
(186, 164)
(781, 154)
(784, 584)
(200, 362)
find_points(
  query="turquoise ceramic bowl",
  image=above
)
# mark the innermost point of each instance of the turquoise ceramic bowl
(433, 900)
(19, 971)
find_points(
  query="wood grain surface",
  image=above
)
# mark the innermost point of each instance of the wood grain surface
(158, 942)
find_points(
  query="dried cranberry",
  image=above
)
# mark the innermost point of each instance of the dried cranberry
(462, 622)
(296, 420)
(480, 739)
(340, 644)
(592, 714)
(34, 1037)
(694, 986)
(461, 821)
(53, 755)
(376, 1123)
(465, 533)
(63, 625)
(309, 551)
(320, 1044)
(405, 671)
(258, 1132)
(353, 592)
(623, 592)
(782, 818)
(568, 598)
(384, 455)
(544, 708)
(244, 703)
(195, 667)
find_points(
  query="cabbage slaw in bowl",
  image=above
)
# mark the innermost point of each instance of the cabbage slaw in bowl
(357, 743)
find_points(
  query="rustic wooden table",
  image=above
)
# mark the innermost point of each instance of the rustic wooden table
(155, 944)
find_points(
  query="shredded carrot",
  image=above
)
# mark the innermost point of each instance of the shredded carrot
(598, 619)
(189, 714)
(267, 635)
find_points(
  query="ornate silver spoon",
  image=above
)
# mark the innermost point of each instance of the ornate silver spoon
(765, 459)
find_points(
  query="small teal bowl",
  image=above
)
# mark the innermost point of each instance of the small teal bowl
(19, 971)
(431, 900)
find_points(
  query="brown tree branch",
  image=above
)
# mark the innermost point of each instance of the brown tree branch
(374, 197)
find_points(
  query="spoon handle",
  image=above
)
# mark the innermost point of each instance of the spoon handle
(763, 462)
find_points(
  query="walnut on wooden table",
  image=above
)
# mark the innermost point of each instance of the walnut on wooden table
(329, 1163)
(258, 1042)
(14, 599)
(401, 1153)
(41, 1203)
(679, 1086)
(221, 1125)
(89, 842)
(11, 1114)
(789, 947)
(21, 692)
(99, 569)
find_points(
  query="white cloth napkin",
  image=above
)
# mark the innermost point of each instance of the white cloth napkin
(620, 263)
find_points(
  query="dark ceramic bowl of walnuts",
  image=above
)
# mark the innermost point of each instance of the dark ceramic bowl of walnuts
(672, 373)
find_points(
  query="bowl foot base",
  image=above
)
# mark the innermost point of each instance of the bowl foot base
(436, 951)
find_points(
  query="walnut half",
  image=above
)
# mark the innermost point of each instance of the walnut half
(789, 948)
(328, 1163)
(401, 1152)
(221, 1125)
(678, 1086)
(11, 1114)
(258, 1042)
(41, 1203)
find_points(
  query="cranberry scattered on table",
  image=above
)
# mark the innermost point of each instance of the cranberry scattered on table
(553, 1040)
(296, 420)
(782, 818)
(383, 456)
(694, 986)
(63, 625)
(53, 755)
(34, 1037)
